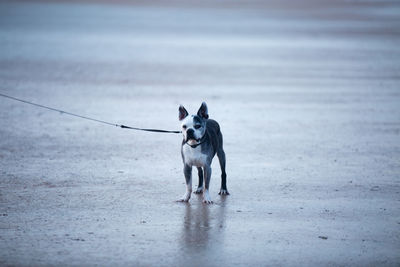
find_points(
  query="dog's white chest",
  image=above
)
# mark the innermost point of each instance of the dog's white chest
(193, 156)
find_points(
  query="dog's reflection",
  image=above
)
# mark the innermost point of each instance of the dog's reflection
(202, 224)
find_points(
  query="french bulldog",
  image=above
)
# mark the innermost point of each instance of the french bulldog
(202, 139)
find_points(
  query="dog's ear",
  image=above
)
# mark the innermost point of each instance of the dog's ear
(182, 113)
(203, 111)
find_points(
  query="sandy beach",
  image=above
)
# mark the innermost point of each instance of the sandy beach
(307, 94)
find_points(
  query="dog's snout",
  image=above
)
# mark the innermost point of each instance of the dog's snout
(190, 133)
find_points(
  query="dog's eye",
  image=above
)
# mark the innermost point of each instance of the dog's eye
(184, 126)
(197, 126)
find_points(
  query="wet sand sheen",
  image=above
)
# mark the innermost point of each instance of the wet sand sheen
(307, 97)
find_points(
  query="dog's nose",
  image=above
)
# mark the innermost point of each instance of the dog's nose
(190, 133)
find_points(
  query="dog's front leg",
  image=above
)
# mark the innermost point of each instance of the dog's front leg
(200, 185)
(207, 178)
(187, 170)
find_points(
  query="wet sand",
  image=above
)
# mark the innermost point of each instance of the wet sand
(307, 96)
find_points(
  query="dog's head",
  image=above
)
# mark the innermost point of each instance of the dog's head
(193, 126)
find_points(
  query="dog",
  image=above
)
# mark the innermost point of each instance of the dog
(202, 139)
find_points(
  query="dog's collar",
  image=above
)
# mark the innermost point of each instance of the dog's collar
(202, 140)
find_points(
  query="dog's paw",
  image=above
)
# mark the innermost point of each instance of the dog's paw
(199, 190)
(185, 197)
(206, 198)
(223, 192)
(208, 201)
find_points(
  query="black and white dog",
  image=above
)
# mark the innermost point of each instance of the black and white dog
(202, 139)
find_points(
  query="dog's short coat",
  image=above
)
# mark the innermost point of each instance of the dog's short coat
(202, 139)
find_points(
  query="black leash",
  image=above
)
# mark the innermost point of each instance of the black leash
(87, 118)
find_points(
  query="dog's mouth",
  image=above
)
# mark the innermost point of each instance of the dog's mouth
(192, 140)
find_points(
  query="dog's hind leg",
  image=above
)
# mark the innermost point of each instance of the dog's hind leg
(200, 184)
(222, 163)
